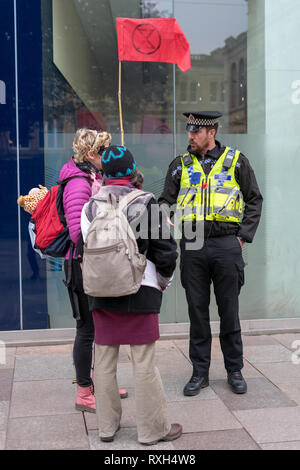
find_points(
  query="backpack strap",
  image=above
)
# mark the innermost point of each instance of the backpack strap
(68, 280)
(130, 197)
(123, 201)
(79, 248)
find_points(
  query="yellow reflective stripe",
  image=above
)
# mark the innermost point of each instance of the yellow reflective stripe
(222, 202)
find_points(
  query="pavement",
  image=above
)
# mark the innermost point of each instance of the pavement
(37, 399)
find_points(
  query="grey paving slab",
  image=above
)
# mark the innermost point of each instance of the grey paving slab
(173, 388)
(259, 340)
(216, 352)
(166, 345)
(217, 371)
(91, 421)
(7, 357)
(30, 367)
(2, 440)
(281, 446)
(260, 394)
(233, 439)
(291, 389)
(4, 410)
(40, 398)
(267, 353)
(6, 379)
(47, 433)
(126, 439)
(45, 350)
(272, 424)
(202, 415)
(38, 337)
(183, 346)
(172, 364)
(288, 340)
(280, 372)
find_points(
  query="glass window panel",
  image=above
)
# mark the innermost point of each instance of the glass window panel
(247, 69)
(213, 92)
(242, 82)
(80, 90)
(9, 228)
(193, 92)
(183, 92)
(234, 83)
(219, 64)
(214, 57)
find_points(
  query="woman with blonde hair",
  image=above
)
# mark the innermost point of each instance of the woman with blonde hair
(84, 179)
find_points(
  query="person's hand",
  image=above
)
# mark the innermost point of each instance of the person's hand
(170, 222)
(240, 242)
(164, 282)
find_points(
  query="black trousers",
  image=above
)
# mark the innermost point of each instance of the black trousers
(219, 262)
(84, 339)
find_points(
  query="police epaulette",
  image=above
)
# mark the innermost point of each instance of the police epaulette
(187, 159)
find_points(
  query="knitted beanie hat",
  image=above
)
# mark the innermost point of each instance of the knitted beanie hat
(117, 161)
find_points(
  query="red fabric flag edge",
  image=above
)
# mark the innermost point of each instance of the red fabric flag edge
(184, 63)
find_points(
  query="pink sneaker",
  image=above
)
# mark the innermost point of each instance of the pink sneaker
(85, 400)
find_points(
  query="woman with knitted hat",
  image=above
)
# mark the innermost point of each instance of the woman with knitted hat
(132, 319)
(83, 169)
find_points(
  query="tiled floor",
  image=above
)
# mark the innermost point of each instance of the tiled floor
(37, 400)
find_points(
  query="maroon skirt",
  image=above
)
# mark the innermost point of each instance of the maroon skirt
(116, 328)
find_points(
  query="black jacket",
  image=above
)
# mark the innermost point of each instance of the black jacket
(162, 252)
(245, 177)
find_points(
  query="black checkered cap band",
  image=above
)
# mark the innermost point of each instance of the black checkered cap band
(201, 122)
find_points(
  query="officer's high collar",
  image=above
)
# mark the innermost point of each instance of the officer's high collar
(213, 153)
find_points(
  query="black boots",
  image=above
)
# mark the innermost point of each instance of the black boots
(194, 386)
(237, 382)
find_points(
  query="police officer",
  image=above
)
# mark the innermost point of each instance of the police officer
(215, 186)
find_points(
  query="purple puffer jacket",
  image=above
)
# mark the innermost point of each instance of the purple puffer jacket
(76, 193)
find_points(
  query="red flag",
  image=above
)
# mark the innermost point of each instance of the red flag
(90, 119)
(153, 40)
(151, 125)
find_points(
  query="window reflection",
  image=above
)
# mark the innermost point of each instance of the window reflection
(80, 85)
(233, 81)
(218, 57)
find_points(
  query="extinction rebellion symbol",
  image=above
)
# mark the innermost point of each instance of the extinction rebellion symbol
(146, 39)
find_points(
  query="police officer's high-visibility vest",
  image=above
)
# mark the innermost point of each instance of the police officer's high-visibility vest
(213, 197)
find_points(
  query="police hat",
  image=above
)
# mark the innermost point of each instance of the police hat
(201, 119)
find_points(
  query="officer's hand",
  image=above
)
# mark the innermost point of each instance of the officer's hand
(170, 222)
(240, 242)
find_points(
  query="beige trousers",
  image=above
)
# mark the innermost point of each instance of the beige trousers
(151, 404)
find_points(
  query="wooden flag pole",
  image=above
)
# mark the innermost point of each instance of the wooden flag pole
(120, 103)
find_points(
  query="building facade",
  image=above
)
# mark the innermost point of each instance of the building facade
(59, 72)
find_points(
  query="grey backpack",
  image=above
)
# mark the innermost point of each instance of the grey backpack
(112, 265)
